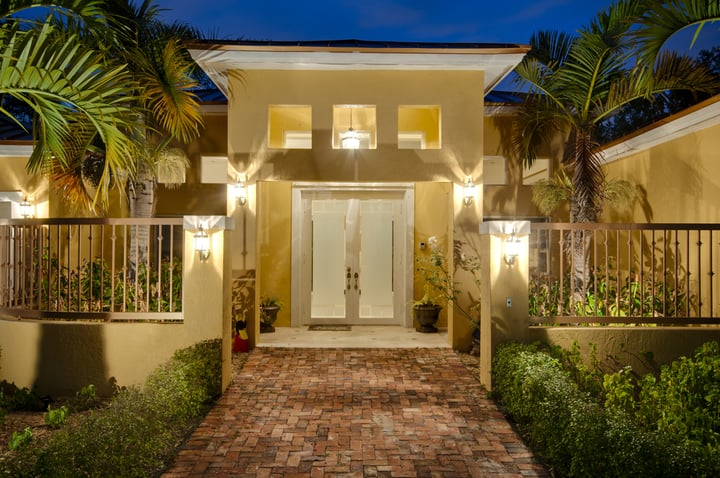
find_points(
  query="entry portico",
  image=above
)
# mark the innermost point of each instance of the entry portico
(334, 232)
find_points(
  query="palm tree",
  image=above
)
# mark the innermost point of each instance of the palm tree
(575, 82)
(73, 91)
(171, 110)
(163, 102)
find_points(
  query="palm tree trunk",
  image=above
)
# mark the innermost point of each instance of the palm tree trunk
(142, 205)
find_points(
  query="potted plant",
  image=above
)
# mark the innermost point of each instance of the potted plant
(427, 312)
(440, 280)
(269, 307)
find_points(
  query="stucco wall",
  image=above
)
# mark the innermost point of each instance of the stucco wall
(679, 181)
(629, 345)
(459, 95)
(59, 358)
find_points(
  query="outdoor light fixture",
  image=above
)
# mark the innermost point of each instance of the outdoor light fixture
(240, 191)
(469, 191)
(26, 209)
(350, 139)
(202, 244)
(512, 248)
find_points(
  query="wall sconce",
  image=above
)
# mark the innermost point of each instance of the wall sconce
(469, 191)
(26, 208)
(202, 244)
(240, 191)
(512, 248)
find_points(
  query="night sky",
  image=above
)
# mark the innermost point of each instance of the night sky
(511, 21)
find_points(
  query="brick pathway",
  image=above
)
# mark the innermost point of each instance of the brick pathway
(354, 413)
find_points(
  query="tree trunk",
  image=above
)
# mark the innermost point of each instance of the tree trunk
(142, 205)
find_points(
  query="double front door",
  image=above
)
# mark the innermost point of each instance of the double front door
(354, 266)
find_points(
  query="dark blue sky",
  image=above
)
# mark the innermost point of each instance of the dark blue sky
(509, 21)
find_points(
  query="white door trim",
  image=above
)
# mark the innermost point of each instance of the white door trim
(301, 252)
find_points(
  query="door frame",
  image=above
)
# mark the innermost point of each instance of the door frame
(299, 289)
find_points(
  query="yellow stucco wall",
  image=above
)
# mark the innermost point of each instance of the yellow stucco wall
(274, 240)
(679, 181)
(462, 125)
(61, 357)
(15, 177)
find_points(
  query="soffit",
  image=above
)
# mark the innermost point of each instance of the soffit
(218, 60)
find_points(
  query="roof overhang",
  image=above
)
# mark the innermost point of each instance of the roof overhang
(217, 60)
(696, 118)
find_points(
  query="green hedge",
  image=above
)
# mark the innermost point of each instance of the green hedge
(577, 436)
(137, 434)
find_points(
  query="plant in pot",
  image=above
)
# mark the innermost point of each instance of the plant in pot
(269, 307)
(427, 312)
(440, 279)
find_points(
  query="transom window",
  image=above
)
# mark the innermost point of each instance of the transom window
(290, 127)
(418, 127)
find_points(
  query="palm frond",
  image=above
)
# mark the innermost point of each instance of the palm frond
(72, 90)
(662, 19)
(171, 164)
(549, 194)
(168, 94)
(619, 193)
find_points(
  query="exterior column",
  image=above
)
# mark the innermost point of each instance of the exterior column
(207, 283)
(504, 311)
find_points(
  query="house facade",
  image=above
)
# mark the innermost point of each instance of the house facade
(334, 230)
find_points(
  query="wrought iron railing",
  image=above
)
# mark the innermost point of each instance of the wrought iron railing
(624, 273)
(91, 268)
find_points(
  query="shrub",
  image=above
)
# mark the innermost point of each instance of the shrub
(577, 436)
(55, 417)
(85, 398)
(137, 433)
(21, 439)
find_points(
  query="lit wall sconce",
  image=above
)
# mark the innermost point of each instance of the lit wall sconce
(202, 244)
(26, 208)
(512, 249)
(240, 191)
(469, 191)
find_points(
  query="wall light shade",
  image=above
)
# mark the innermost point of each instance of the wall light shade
(240, 192)
(512, 248)
(26, 208)
(202, 244)
(469, 192)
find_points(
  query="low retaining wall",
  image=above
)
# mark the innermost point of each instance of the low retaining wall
(630, 345)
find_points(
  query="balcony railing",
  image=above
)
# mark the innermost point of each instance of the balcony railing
(97, 269)
(624, 274)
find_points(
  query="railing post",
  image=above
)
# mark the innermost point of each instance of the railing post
(504, 313)
(207, 284)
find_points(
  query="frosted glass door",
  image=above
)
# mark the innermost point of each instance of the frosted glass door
(328, 259)
(352, 261)
(376, 260)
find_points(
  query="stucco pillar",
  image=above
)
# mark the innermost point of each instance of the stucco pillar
(504, 311)
(207, 306)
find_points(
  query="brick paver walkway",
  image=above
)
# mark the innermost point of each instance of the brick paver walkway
(354, 413)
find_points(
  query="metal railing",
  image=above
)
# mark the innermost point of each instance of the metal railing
(624, 273)
(91, 269)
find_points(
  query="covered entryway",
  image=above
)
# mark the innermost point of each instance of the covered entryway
(352, 254)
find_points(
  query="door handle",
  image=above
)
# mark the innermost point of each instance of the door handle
(347, 279)
(357, 280)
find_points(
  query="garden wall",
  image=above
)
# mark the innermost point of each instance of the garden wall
(58, 358)
(630, 345)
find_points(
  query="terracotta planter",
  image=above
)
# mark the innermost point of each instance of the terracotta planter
(426, 316)
(268, 316)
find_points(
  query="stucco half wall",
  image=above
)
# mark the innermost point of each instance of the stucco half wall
(59, 358)
(629, 345)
